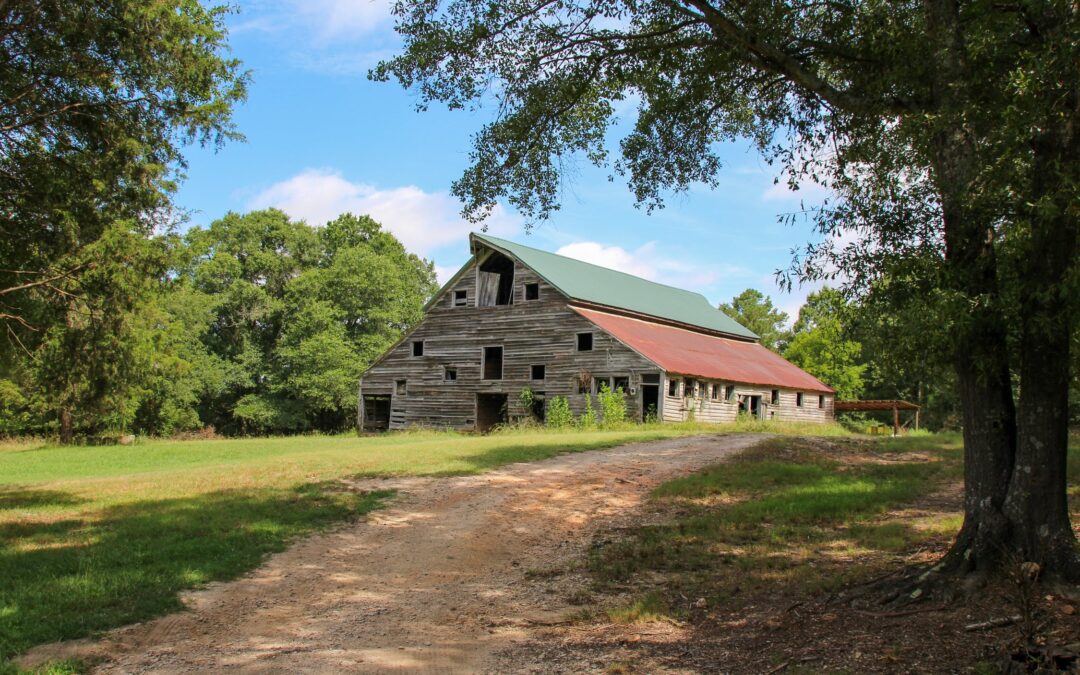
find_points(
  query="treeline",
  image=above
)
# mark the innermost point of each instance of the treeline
(256, 324)
(878, 346)
(864, 348)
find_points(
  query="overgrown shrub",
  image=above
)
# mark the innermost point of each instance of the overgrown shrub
(558, 413)
(588, 418)
(612, 406)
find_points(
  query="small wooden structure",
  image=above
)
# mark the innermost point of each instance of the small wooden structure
(878, 405)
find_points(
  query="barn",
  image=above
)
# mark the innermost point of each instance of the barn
(516, 317)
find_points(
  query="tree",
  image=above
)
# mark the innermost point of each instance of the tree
(821, 346)
(97, 100)
(297, 314)
(754, 310)
(947, 130)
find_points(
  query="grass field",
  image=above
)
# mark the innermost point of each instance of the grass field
(790, 519)
(96, 537)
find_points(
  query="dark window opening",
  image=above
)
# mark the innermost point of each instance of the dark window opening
(584, 342)
(650, 378)
(400, 387)
(461, 298)
(729, 392)
(620, 382)
(775, 397)
(496, 281)
(820, 401)
(450, 374)
(673, 388)
(537, 372)
(715, 391)
(418, 348)
(493, 363)
(532, 291)
(798, 399)
(688, 389)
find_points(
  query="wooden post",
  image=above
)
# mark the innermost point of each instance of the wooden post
(916, 419)
(895, 421)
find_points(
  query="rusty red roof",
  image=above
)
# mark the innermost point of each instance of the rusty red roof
(685, 352)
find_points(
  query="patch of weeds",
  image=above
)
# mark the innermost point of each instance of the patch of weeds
(650, 607)
(580, 598)
(544, 572)
(583, 615)
(64, 667)
(618, 667)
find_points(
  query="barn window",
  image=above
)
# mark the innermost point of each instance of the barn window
(495, 281)
(418, 348)
(532, 291)
(820, 401)
(620, 382)
(688, 388)
(729, 392)
(450, 374)
(461, 298)
(673, 388)
(493, 363)
(798, 399)
(584, 342)
(399, 387)
(715, 392)
(537, 372)
(775, 397)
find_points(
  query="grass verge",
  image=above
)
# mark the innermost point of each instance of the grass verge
(791, 514)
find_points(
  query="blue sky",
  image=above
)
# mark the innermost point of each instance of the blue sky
(322, 140)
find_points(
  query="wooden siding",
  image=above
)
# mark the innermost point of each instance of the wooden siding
(705, 409)
(531, 332)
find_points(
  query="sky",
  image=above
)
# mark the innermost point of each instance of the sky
(321, 140)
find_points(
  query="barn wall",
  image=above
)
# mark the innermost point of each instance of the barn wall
(531, 332)
(705, 409)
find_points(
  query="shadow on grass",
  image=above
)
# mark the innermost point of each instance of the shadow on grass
(75, 577)
(771, 516)
(19, 498)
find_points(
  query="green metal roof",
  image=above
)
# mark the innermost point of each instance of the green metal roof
(602, 286)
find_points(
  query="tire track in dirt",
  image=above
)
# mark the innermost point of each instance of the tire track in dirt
(434, 584)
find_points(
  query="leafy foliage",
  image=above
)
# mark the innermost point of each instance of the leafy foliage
(558, 414)
(821, 347)
(612, 406)
(754, 310)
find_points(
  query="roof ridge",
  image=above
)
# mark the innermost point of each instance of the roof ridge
(606, 269)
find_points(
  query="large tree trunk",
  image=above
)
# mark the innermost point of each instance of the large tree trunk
(981, 354)
(1037, 503)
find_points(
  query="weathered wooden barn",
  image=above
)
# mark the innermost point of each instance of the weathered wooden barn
(516, 317)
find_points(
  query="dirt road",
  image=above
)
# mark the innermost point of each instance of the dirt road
(436, 583)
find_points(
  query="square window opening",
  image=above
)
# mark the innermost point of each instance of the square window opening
(620, 382)
(461, 298)
(537, 372)
(584, 342)
(532, 291)
(400, 387)
(418, 348)
(450, 374)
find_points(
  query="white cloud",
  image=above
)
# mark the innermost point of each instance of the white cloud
(646, 262)
(333, 19)
(809, 193)
(423, 221)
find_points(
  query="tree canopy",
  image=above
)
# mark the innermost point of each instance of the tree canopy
(754, 310)
(947, 131)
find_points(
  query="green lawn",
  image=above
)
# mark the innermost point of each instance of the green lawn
(96, 537)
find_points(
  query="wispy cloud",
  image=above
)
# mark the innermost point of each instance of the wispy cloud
(423, 221)
(647, 262)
